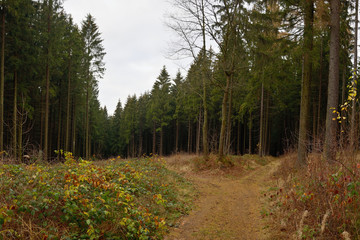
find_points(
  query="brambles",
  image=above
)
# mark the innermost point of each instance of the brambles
(85, 200)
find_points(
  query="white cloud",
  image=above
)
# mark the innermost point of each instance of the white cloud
(135, 40)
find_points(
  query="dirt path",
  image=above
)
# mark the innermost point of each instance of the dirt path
(227, 208)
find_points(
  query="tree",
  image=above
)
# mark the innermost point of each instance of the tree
(191, 26)
(94, 65)
(306, 83)
(333, 86)
(160, 106)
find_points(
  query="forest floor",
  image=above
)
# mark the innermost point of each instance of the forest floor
(229, 203)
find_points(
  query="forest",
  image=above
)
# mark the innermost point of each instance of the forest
(265, 77)
(262, 126)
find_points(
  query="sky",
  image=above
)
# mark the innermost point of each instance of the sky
(137, 44)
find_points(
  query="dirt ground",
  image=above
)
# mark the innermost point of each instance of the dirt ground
(228, 206)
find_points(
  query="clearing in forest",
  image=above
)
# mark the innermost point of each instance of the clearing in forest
(229, 203)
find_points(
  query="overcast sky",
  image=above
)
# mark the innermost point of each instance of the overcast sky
(136, 42)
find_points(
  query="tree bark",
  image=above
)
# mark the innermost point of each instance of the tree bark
(59, 131)
(47, 91)
(228, 127)
(2, 80)
(154, 139)
(333, 86)
(177, 137)
(224, 119)
(266, 144)
(198, 134)
(67, 135)
(161, 140)
(319, 100)
(87, 141)
(261, 131)
(14, 133)
(73, 147)
(353, 128)
(250, 133)
(306, 84)
(189, 137)
(20, 130)
(205, 124)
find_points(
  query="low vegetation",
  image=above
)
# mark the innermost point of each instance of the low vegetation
(78, 199)
(318, 202)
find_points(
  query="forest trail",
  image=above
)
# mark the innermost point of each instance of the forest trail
(228, 207)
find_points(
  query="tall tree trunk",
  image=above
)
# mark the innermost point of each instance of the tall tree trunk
(87, 141)
(229, 115)
(250, 133)
(67, 135)
(161, 140)
(224, 119)
(140, 142)
(306, 84)
(20, 129)
(238, 138)
(205, 123)
(47, 91)
(198, 134)
(14, 133)
(189, 137)
(177, 137)
(342, 125)
(244, 139)
(154, 139)
(59, 130)
(261, 130)
(266, 141)
(2, 80)
(353, 128)
(333, 86)
(73, 145)
(319, 100)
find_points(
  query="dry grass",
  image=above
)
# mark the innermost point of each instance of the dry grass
(328, 192)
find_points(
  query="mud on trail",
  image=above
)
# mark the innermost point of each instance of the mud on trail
(228, 206)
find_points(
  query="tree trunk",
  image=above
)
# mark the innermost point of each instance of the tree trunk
(154, 139)
(140, 142)
(238, 138)
(266, 144)
(47, 91)
(198, 134)
(67, 135)
(2, 80)
(14, 133)
(73, 148)
(342, 125)
(177, 137)
(306, 84)
(20, 129)
(228, 127)
(59, 130)
(319, 100)
(250, 134)
(244, 139)
(224, 119)
(87, 142)
(161, 140)
(261, 130)
(333, 86)
(189, 137)
(353, 128)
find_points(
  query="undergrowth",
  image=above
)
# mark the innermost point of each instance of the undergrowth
(320, 201)
(115, 199)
